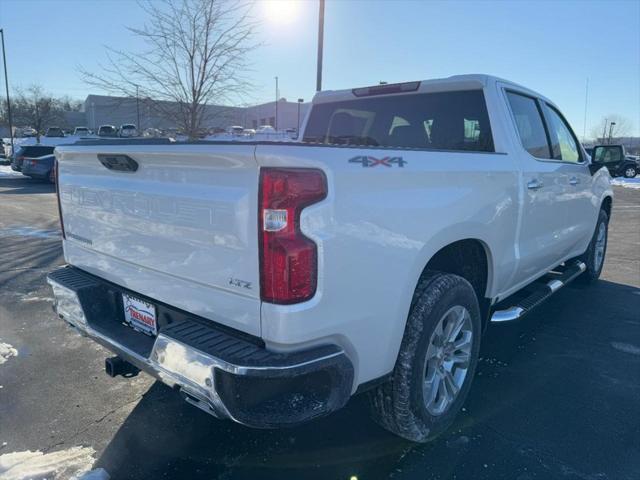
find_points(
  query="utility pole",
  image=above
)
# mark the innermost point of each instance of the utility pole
(138, 126)
(300, 100)
(604, 131)
(276, 120)
(320, 44)
(610, 128)
(6, 82)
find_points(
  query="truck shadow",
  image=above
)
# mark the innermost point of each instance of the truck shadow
(527, 409)
(24, 185)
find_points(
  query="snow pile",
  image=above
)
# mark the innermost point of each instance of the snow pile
(5, 171)
(74, 464)
(627, 182)
(6, 352)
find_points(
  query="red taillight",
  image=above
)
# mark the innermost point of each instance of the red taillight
(55, 169)
(288, 259)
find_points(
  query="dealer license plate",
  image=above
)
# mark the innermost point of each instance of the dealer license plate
(140, 315)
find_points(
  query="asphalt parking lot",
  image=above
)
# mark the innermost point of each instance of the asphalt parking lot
(557, 396)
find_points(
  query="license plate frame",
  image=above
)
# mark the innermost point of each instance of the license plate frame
(140, 314)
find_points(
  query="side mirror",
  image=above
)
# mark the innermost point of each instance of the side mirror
(606, 156)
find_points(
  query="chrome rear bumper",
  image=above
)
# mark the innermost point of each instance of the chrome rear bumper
(226, 375)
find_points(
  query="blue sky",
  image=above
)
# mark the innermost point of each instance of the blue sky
(549, 46)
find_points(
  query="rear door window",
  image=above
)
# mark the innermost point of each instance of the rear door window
(530, 125)
(563, 141)
(429, 121)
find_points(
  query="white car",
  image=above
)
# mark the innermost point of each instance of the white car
(81, 131)
(28, 132)
(235, 130)
(265, 129)
(269, 283)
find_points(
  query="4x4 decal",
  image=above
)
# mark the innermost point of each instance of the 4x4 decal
(368, 161)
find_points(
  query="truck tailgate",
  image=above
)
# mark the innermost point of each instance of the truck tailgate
(181, 229)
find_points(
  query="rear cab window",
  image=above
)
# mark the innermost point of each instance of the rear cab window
(35, 152)
(456, 120)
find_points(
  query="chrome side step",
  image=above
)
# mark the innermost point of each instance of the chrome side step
(525, 305)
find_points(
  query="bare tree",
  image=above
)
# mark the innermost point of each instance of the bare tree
(622, 127)
(35, 108)
(196, 54)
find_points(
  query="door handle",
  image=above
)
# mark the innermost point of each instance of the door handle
(574, 181)
(535, 184)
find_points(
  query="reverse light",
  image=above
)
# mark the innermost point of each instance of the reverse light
(288, 259)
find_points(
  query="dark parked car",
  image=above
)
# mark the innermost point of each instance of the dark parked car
(40, 167)
(29, 151)
(55, 132)
(107, 131)
(613, 157)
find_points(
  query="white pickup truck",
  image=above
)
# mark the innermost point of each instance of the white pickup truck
(269, 282)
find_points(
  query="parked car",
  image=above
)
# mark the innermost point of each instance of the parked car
(265, 129)
(151, 132)
(27, 132)
(54, 132)
(613, 157)
(128, 130)
(235, 130)
(29, 151)
(40, 168)
(81, 131)
(216, 130)
(107, 131)
(370, 257)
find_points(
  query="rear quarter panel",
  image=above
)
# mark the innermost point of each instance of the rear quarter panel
(376, 231)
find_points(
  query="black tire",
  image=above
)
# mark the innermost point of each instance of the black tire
(398, 405)
(630, 172)
(590, 259)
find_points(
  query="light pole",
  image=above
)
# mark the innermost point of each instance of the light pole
(604, 131)
(610, 128)
(276, 118)
(320, 44)
(6, 82)
(300, 100)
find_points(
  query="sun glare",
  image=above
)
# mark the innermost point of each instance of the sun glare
(281, 11)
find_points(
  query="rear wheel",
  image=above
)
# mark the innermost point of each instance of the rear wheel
(630, 172)
(436, 363)
(593, 258)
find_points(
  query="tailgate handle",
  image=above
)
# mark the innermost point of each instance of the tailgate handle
(121, 163)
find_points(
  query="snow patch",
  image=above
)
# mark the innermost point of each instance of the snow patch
(627, 182)
(626, 348)
(5, 171)
(6, 352)
(73, 463)
(38, 299)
